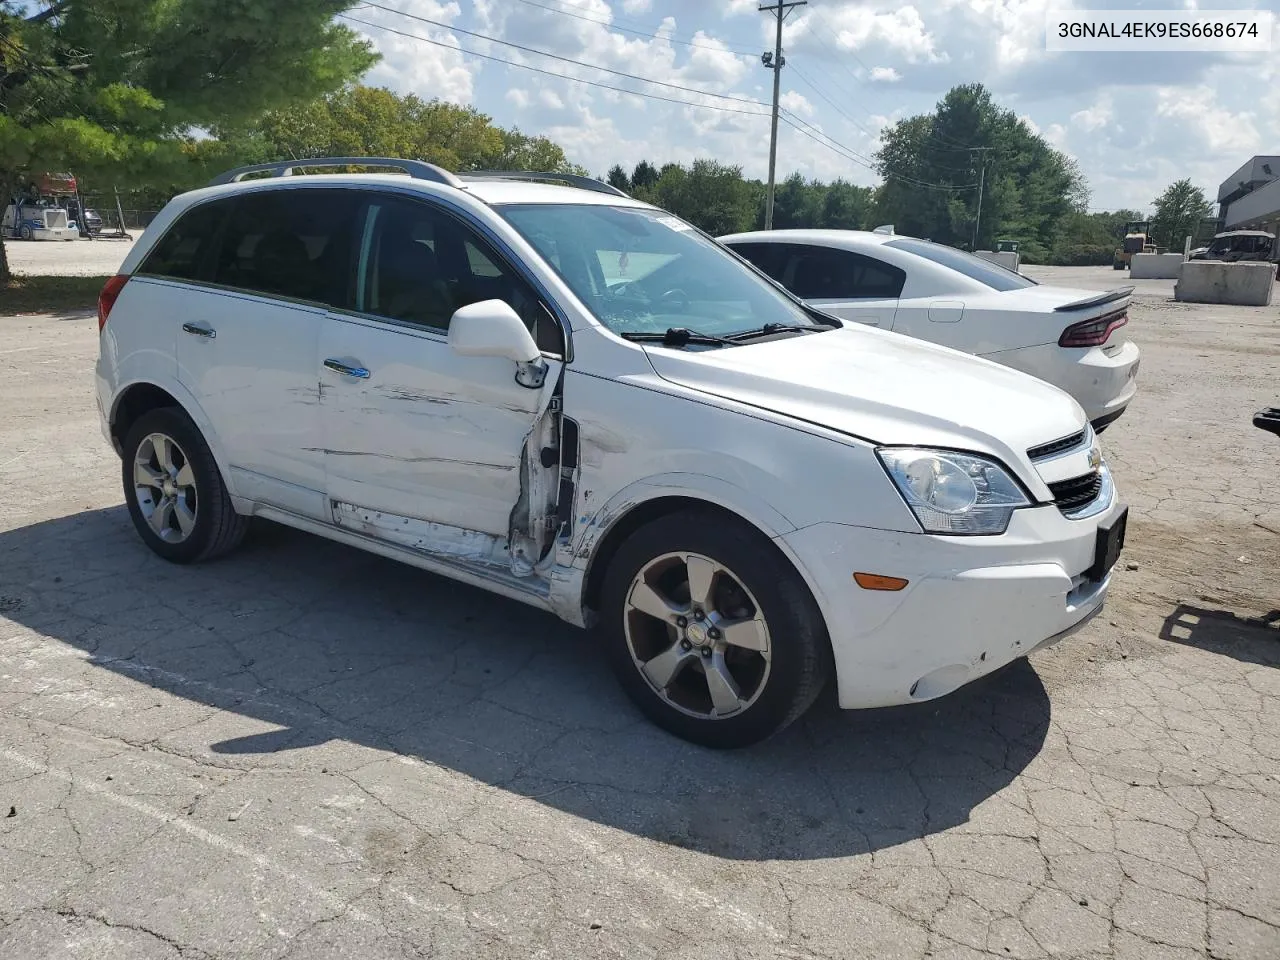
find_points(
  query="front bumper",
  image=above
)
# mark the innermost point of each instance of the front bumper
(973, 604)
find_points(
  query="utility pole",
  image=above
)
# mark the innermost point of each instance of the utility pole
(774, 61)
(982, 179)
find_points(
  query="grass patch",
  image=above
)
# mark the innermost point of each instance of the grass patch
(50, 294)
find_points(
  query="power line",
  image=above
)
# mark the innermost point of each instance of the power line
(790, 118)
(800, 125)
(562, 59)
(559, 76)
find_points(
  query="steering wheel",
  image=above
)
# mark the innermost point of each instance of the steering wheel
(675, 293)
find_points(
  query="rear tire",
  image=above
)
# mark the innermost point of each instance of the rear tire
(699, 611)
(174, 491)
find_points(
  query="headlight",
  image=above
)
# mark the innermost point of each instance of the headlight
(956, 493)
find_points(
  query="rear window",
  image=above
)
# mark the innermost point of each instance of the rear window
(975, 268)
(181, 251)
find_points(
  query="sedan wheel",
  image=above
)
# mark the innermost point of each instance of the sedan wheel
(697, 636)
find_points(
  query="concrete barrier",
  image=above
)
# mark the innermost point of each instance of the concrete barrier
(1006, 259)
(1155, 266)
(1211, 281)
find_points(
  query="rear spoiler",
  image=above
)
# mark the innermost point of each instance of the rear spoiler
(1108, 297)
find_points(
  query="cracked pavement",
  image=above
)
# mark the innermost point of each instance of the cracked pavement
(305, 751)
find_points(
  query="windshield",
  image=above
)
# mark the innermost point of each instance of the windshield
(975, 268)
(641, 270)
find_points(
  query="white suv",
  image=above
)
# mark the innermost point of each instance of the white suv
(576, 400)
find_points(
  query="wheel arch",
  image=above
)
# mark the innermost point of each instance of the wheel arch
(143, 396)
(651, 499)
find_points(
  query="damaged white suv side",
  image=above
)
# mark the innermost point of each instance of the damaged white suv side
(567, 397)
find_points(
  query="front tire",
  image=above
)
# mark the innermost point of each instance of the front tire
(174, 490)
(711, 631)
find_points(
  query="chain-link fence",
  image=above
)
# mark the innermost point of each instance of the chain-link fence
(136, 218)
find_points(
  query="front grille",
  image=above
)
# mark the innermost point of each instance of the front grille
(1071, 495)
(1046, 450)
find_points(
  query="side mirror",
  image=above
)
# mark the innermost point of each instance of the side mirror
(491, 328)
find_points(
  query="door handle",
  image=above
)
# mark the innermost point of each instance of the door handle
(196, 331)
(337, 366)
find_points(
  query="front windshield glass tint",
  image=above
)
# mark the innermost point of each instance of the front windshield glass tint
(643, 271)
(975, 268)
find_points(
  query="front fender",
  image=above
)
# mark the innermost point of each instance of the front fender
(592, 526)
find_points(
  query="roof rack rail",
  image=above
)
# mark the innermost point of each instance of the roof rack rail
(418, 169)
(572, 179)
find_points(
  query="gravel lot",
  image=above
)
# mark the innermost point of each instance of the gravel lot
(307, 751)
(82, 258)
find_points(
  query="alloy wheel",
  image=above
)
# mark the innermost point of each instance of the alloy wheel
(697, 635)
(164, 485)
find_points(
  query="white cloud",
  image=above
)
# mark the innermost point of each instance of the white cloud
(412, 66)
(885, 75)
(637, 6)
(1098, 115)
(796, 103)
(1209, 124)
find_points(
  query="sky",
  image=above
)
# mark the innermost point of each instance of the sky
(1134, 122)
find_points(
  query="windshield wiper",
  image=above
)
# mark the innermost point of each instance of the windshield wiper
(771, 328)
(677, 337)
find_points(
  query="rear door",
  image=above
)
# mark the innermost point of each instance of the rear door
(413, 433)
(249, 337)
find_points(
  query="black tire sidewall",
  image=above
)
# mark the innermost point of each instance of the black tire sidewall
(800, 647)
(175, 423)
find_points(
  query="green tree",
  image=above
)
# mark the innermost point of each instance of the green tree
(644, 176)
(360, 121)
(710, 195)
(617, 177)
(933, 164)
(1178, 212)
(123, 91)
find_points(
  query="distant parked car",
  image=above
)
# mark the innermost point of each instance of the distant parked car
(1235, 246)
(947, 296)
(88, 220)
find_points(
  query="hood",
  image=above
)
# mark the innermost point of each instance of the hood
(885, 388)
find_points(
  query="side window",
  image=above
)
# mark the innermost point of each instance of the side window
(821, 273)
(418, 265)
(771, 258)
(291, 243)
(181, 252)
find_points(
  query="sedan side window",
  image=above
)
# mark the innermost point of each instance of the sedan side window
(418, 265)
(769, 258)
(821, 273)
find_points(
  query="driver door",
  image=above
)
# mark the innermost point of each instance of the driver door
(412, 430)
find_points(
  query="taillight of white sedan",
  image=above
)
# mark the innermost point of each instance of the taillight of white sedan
(1066, 337)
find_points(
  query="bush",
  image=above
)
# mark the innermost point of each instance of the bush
(1083, 255)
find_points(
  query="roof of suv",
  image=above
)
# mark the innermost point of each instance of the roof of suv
(488, 186)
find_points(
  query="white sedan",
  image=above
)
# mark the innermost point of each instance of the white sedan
(937, 293)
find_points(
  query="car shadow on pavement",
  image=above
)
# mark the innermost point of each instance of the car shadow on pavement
(1248, 639)
(323, 642)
